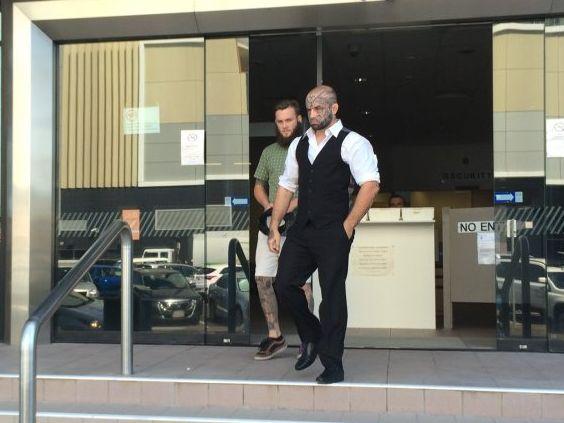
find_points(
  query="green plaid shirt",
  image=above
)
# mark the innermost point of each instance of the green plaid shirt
(271, 167)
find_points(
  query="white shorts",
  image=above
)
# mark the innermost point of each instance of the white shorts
(266, 261)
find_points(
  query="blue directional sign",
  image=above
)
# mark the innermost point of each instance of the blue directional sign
(240, 201)
(508, 197)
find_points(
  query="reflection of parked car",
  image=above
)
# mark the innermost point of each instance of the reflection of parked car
(555, 286)
(78, 312)
(547, 289)
(201, 277)
(172, 299)
(107, 279)
(536, 278)
(217, 298)
(213, 273)
(189, 272)
(85, 286)
(156, 255)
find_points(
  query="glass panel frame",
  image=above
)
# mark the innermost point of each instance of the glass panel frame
(227, 189)
(107, 104)
(554, 134)
(519, 171)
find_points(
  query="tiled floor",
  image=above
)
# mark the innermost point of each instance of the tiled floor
(490, 370)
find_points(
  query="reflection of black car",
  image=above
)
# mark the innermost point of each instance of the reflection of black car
(78, 312)
(189, 272)
(172, 299)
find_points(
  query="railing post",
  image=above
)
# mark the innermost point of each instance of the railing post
(231, 285)
(49, 306)
(28, 371)
(126, 303)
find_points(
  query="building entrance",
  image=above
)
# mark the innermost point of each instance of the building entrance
(168, 134)
(423, 98)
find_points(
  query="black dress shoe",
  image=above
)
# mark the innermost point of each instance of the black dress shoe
(308, 356)
(330, 376)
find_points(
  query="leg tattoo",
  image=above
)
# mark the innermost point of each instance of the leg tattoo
(269, 304)
(309, 296)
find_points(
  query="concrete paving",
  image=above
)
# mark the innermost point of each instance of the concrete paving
(489, 370)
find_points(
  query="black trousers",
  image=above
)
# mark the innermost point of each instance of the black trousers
(327, 249)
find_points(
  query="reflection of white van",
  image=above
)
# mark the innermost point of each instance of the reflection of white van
(152, 255)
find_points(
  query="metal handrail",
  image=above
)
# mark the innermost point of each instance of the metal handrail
(235, 251)
(28, 346)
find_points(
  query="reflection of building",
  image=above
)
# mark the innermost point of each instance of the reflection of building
(123, 107)
(456, 113)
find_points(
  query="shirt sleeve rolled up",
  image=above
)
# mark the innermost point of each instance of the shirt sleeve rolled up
(289, 178)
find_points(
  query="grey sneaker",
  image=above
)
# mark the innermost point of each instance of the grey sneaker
(271, 347)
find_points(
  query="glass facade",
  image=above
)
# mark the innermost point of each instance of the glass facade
(156, 133)
(465, 121)
(554, 194)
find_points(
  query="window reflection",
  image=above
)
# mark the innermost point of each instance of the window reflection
(227, 187)
(554, 89)
(123, 107)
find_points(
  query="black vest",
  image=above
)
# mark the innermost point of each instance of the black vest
(323, 185)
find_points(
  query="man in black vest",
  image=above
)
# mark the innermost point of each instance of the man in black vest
(320, 164)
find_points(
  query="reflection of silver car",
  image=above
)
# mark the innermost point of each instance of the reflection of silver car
(218, 297)
(84, 287)
(555, 280)
(547, 289)
(208, 276)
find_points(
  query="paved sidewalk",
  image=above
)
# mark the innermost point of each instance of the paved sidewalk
(488, 370)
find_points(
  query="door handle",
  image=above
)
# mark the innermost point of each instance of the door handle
(511, 228)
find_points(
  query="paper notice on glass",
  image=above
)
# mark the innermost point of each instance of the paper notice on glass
(486, 247)
(141, 120)
(555, 137)
(192, 147)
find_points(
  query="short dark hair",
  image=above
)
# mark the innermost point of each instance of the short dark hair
(284, 104)
(396, 195)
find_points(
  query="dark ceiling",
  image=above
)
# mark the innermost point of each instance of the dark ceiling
(411, 86)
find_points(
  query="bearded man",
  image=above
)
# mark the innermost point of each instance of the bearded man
(287, 119)
(320, 164)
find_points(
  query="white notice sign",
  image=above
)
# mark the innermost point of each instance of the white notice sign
(555, 137)
(486, 247)
(473, 227)
(141, 120)
(192, 147)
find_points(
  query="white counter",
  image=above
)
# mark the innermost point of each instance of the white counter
(391, 280)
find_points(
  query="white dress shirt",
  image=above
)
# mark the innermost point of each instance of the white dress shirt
(356, 151)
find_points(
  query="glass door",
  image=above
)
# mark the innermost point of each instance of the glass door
(554, 89)
(126, 116)
(519, 185)
(227, 190)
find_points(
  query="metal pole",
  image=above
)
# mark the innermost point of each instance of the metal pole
(231, 281)
(28, 370)
(126, 303)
